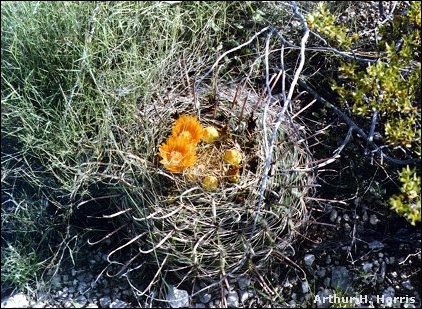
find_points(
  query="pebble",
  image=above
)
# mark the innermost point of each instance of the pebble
(81, 300)
(309, 259)
(177, 298)
(333, 215)
(347, 227)
(375, 245)
(120, 304)
(340, 278)
(319, 300)
(321, 272)
(365, 216)
(205, 298)
(373, 219)
(18, 300)
(305, 287)
(367, 267)
(232, 300)
(407, 285)
(105, 301)
(244, 296)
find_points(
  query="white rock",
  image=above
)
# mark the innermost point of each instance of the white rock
(15, 301)
(232, 300)
(177, 298)
(244, 297)
(305, 287)
(309, 259)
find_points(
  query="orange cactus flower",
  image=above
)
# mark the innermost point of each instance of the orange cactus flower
(188, 127)
(177, 154)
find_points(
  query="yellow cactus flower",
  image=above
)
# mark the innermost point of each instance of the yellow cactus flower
(210, 134)
(177, 154)
(233, 157)
(188, 127)
(210, 183)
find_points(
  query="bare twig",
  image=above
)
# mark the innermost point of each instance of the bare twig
(280, 118)
(352, 125)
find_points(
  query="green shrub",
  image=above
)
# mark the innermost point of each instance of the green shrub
(408, 203)
(390, 86)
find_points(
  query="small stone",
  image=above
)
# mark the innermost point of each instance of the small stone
(340, 278)
(244, 296)
(105, 302)
(373, 219)
(375, 245)
(15, 301)
(321, 272)
(322, 297)
(365, 216)
(59, 294)
(346, 217)
(309, 259)
(347, 227)
(333, 215)
(205, 298)
(37, 305)
(177, 298)
(305, 287)
(367, 267)
(232, 300)
(389, 292)
(407, 285)
(120, 304)
(81, 301)
(82, 287)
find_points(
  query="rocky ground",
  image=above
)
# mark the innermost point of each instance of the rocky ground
(361, 252)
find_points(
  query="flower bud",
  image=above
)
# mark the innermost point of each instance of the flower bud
(210, 134)
(233, 157)
(210, 183)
